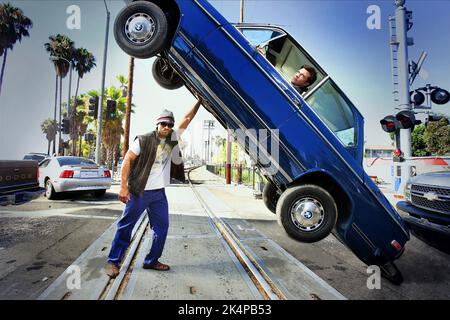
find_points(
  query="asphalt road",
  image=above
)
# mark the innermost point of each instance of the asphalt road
(426, 270)
(40, 239)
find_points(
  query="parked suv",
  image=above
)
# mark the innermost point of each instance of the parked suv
(315, 139)
(427, 206)
(36, 156)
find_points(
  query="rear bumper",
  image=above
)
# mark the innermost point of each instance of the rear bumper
(424, 219)
(68, 185)
(20, 197)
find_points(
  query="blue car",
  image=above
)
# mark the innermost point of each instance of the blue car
(310, 143)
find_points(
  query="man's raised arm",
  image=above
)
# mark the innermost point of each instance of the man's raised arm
(189, 116)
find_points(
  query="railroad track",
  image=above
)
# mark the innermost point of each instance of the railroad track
(262, 282)
(242, 269)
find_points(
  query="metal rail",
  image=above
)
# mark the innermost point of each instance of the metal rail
(263, 283)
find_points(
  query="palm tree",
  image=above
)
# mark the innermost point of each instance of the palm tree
(48, 128)
(84, 62)
(61, 50)
(13, 26)
(112, 129)
(123, 84)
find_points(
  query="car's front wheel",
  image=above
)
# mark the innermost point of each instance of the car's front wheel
(49, 190)
(307, 213)
(165, 75)
(141, 29)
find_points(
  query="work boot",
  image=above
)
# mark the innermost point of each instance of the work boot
(112, 270)
(157, 266)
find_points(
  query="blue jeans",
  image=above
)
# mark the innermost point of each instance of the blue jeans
(155, 202)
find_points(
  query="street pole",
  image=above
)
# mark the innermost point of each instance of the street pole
(70, 87)
(69, 114)
(229, 135)
(98, 154)
(126, 144)
(241, 18)
(404, 99)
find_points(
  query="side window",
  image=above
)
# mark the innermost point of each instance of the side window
(335, 111)
(288, 58)
(258, 36)
(44, 164)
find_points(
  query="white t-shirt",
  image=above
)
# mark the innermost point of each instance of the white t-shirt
(160, 173)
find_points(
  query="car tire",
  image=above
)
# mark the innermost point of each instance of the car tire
(307, 213)
(270, 197)
(50, 192)
(165, 75)
(391, 273)
(99, 193)
(145, 45)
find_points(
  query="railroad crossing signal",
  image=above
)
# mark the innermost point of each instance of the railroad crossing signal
(93, 107)
(111, 110)
(403, 120)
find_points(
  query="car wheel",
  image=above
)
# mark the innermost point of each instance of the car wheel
(99, 193)
(391, 273)
(307, 213)
(141, 29)
(49, 190)
(165, 75)
(270, 197)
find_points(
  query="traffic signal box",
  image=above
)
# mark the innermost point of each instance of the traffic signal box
(65, 126)
(93, 107)
(111, 110)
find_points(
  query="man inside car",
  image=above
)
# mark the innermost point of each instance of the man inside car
(304, 77)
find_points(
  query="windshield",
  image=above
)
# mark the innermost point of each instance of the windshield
(36, 157)
(335, 111)
(74, 161)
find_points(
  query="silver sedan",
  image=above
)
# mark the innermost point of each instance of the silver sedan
(65, 174)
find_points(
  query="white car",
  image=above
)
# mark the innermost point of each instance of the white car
(66, 174)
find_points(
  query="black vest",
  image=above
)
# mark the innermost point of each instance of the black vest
(140, 170)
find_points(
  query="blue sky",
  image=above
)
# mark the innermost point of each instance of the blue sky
(334, 32)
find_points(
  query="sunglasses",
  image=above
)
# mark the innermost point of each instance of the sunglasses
(166, 124)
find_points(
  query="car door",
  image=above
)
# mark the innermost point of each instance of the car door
(333, 114)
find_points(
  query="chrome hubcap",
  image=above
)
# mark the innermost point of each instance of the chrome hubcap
(140, 28)
(307, 214)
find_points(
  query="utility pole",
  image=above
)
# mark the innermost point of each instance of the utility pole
(98, 144)
(126, 143)
(241, 18)
(229, 136)
(403, 24)
(208, 124)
